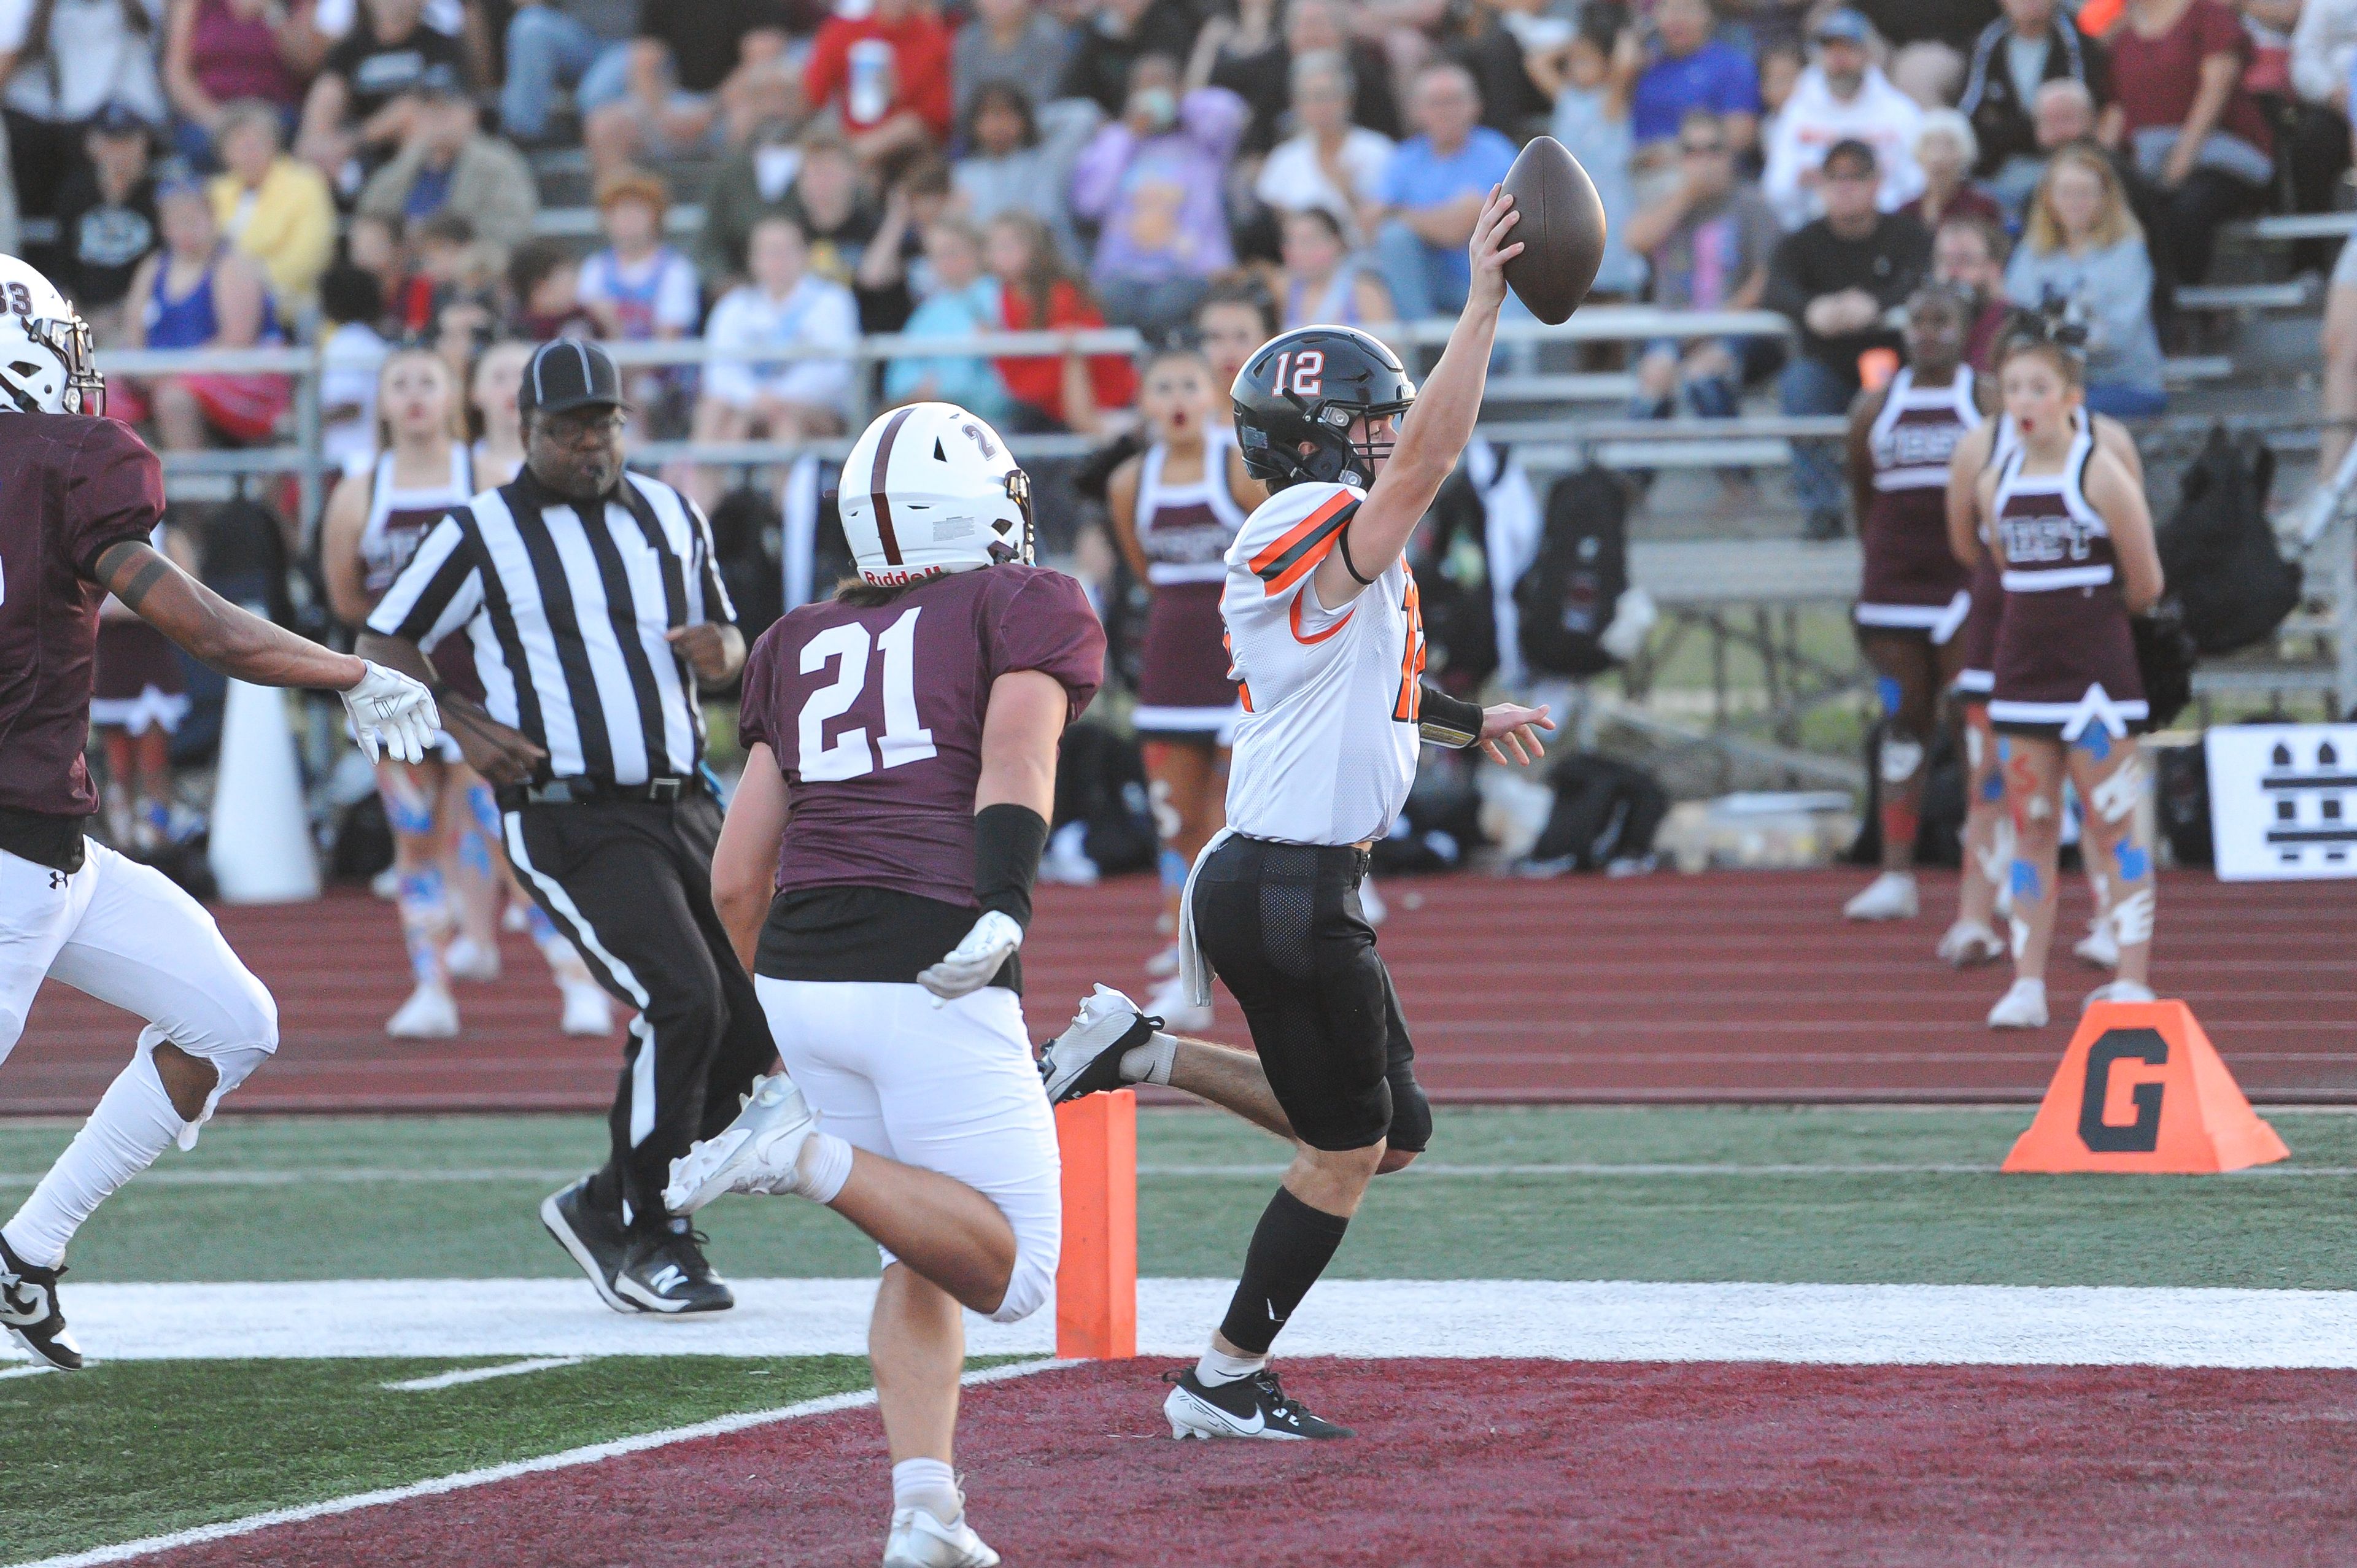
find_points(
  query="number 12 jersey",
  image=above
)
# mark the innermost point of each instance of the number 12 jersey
(1327, 749)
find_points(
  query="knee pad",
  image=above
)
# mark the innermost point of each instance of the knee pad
(1411, 1130)
(1901, 757)
(1033, 1279)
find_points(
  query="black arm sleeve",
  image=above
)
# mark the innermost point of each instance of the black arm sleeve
(1443, 720)
(1007, 841)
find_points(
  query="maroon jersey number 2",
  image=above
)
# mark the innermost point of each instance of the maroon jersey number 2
(905, 739)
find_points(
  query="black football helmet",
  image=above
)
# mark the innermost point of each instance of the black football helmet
(1304, 388)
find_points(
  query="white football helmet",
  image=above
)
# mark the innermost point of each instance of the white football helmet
(930, 489)
(47, 362)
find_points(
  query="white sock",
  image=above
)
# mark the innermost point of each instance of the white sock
(929, 1484)
(824, 1164)
(135, 1123)
(1217, 1367)
(1151, 1062)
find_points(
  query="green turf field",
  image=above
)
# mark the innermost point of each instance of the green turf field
(1831, 1195)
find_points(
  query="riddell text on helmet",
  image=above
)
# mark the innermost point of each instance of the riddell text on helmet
(891, 578)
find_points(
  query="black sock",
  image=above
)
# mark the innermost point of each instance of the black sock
(1290, 1248)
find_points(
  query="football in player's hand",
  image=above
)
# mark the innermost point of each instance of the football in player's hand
(1561, 230)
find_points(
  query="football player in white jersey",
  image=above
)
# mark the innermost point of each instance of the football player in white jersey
(1323, 625)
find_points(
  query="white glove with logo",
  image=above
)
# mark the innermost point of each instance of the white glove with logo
(390, 710)
(974, 962)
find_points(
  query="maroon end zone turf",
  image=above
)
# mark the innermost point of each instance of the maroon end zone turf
(1735, 986)
(1475, 1465)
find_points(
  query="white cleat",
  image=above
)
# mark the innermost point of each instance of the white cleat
(1086, 1058)
(2023, 1006)
(1164, 964)
(1889, 896)
(466, 959)
(1178, 1015)
(755, 1152)
(920, 1540)
(428, 1015)
(2099, 948)
(588, 1010)
(1970, 944)
(2118, 991)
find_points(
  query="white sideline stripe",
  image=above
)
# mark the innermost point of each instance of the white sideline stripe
(593, 1454)
(34, 1370)
(482, 1374)
(355, 1176)
(1609, 1320)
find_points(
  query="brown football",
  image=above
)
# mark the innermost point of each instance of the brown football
(1561, 230)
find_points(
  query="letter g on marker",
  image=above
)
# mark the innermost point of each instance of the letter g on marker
(2142, 1135)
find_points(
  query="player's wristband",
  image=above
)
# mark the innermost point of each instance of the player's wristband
(1443, 720)
(1007, 842)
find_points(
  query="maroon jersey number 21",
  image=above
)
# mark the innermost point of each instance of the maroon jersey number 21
(905, 739)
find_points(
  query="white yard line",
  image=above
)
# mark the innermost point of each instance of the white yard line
(1862, 1325)
(1463, 1170)
(32, 1369)
(593, 1454)
(482, 1374)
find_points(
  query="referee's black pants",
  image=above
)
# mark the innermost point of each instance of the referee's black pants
(630, 882)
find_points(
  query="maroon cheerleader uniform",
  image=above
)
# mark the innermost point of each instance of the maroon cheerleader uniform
(136, 684)
(398, 522)
(2066, 656)
(1184, 692)
(1913, 582)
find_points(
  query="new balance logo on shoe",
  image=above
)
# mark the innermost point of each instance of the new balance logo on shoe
(667, 1279)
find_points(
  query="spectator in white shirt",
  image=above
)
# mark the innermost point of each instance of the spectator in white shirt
(1841, 97)
(784, 306)
(1330, 165)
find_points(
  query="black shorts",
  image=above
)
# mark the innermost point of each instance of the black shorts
(1282, 927)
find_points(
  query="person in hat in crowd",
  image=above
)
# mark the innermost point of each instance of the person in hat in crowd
(106, 218)
(1841, 97)
(449, 164)
(606, 807)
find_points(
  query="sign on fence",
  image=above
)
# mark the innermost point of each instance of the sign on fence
(2283, 800)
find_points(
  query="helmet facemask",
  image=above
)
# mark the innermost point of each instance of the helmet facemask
(70, 340)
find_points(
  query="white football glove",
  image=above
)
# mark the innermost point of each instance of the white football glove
(390, 710)
(974, 962)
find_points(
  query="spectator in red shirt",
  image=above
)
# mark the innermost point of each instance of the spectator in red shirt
(2180, 116)
(1051, 392)
(887, 74)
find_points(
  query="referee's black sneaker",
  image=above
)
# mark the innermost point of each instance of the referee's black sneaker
(1249, 1407)
(664, 1271)
(1086, 1058)
(593, 1235)
(28, 1307)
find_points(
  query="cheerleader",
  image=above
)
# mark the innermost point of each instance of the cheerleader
(137, 701)
(1912, 600)
(499, 448)
(2073, 544)
(1175, 508)
(1233, 322)
(450, 874)
(1982, 893)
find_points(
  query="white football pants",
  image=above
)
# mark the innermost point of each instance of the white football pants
(951, 1089)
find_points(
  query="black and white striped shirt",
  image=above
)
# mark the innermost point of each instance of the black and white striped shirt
(567, 617)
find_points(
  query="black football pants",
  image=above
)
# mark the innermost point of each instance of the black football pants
(630, 882)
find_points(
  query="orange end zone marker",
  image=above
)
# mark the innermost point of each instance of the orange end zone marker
(2142, 1089)
(1096, 1281)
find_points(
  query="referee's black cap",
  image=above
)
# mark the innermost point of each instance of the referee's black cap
(569, 374)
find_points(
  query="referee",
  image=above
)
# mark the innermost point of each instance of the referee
(596, 610)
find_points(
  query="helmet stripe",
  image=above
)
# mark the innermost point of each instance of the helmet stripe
(875, 484)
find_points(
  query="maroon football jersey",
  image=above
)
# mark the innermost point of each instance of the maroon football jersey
(875, 717)
(70, 487)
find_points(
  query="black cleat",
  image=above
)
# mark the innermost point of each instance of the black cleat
(595, 1236)
(1086, 1058)
(1249, 1407)
(28, 1307)
(665, 1271)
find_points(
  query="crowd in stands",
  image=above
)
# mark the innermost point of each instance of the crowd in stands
(226, 173)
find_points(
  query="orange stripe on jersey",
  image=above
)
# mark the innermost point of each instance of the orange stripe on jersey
(1296, 555)
(1313, 638)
